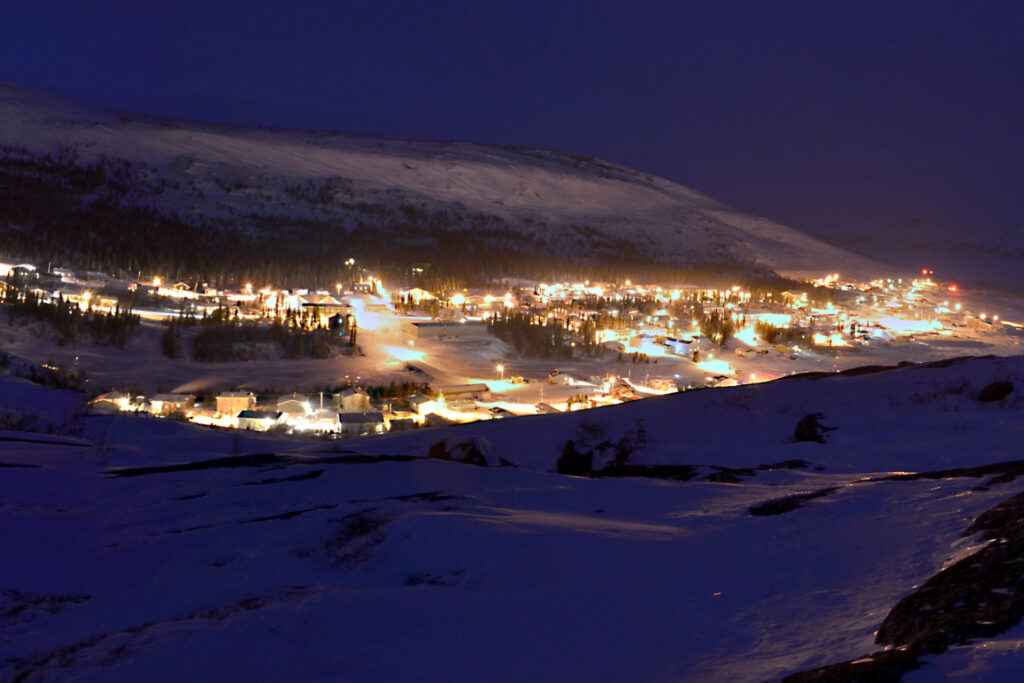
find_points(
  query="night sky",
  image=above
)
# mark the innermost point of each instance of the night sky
(842, 119)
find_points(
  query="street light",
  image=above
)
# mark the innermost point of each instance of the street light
(501, 368)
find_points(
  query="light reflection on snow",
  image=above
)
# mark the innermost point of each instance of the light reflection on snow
(718, 367)
(405, 354)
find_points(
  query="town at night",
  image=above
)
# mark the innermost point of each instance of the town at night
(662, 341)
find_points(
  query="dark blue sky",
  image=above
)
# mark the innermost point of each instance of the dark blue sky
(839, 118)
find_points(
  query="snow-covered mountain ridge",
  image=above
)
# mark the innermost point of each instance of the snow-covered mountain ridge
(256, 179)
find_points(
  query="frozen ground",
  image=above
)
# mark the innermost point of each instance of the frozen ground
(138, 549)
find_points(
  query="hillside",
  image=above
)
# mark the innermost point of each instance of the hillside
(141, 193)
(147, 547)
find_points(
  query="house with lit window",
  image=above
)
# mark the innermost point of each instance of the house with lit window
(169, 404)
(293, 404)
(233, 402)
(259, 420)
(366, 422)
(353, 401)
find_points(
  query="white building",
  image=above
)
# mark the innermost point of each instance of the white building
(168, 404)
(422, 405)
(293, 404)
(353, 401)
(368, 422)
(453, 329)
(111, 402)
(259, 420)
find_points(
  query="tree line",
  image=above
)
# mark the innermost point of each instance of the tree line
(224, 337)
(72, 324)
(102, 215)
(544, 337)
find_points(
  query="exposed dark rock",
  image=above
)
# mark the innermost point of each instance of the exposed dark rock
(886, 666)
(426, 579)
(254, 460)
(735, 475)
(793, 464)
(675, 472)
(359, 459)
(725, 476)
(290, 514)
(1004, 472)
(872, 369)
(473, 450)
(950, 362)
(306, 476)
(23, 606)
(1007, 515)
(789, 503)
(355, 536)
(424, 497)
(809, 428)
(979, 596)
(996, 391)
(867, 370)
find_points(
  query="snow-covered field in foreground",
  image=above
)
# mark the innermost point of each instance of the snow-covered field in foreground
(309, 562)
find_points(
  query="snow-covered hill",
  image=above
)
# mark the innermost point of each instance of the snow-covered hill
(562, 204)
(137, 549)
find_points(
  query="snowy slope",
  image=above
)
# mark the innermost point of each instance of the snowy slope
(898, 419)
(222, 171)
(365, 560)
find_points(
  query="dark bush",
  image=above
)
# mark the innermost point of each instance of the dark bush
(573, 462)
(809, 428)
(996, 391)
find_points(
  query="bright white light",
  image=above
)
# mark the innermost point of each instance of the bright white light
(776, 319)
(404, 354)
(716, 367)
(899, 326)
(747, 336)
(829, 340)
(364, 319)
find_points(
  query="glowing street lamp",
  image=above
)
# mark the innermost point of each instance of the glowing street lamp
(501, 368)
